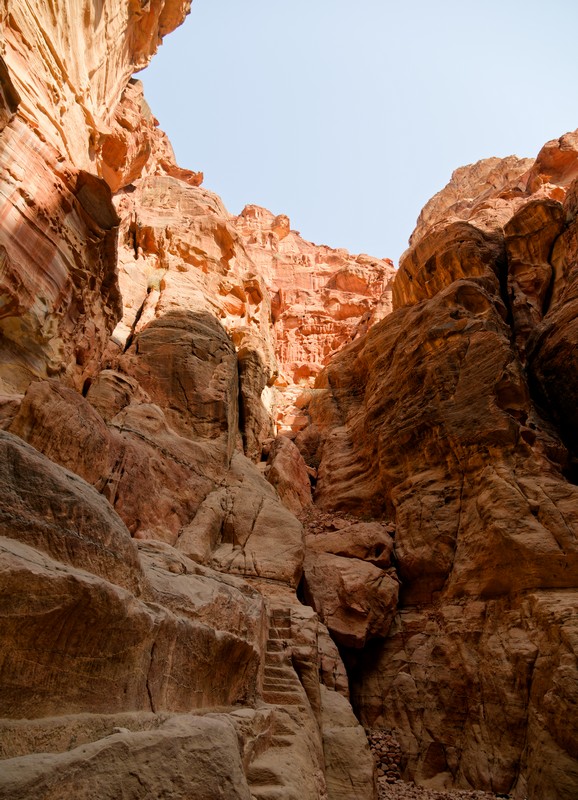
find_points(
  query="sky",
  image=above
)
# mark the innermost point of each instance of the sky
(348, 115)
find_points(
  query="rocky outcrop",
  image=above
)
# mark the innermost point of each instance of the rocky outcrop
(552, 361)
(151, 634)
(63, 74)
(529, 237)
(81, 611)
(321, 297)
(343, 735)
(189, 599)
(138, 635)
(434, 420)
(190, 755)
(486, 190)
(287, 304)
(287, 472)
(348, 578)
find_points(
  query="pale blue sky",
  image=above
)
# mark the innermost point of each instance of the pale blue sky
(348, 115)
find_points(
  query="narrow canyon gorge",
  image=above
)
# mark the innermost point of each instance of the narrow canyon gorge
(278, 522)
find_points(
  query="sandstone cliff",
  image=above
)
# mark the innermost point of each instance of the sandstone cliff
(189, 599)
(453, 417)
(152, 639)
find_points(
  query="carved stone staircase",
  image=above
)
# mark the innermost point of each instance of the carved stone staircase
(267, 774)
(281, 686)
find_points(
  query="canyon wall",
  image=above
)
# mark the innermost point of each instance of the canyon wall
(250, 482)
(151, 346)
(454, 417)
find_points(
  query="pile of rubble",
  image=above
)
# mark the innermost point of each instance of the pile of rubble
(387, 753)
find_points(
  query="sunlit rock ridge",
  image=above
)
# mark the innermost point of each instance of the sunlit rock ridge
(264, 498)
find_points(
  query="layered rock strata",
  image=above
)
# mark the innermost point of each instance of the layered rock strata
(168, 623)
(152, 640)
(65, 66)
(452, 416)
(287, 304)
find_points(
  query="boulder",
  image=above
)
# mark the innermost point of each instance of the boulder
(356, 600)
(368, 541)
(287, 472)
(185, 756)
(349, 764)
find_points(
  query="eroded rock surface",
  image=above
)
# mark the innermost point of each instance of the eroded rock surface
(189, 599)
(151, 636)
(63, 74)
(449, 417)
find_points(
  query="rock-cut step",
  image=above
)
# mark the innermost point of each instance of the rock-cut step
(281, 685)
(269, 774)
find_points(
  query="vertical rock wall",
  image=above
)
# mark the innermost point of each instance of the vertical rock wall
(454, 418)
(152, 345)
(152, 640)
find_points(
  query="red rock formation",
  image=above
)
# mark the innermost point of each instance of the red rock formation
(493, 184)
(287, 472)
(287, 304)
(431, 419)
(61, 84)
(552, 358)
(148, 568)
(321, 299)
(348, 578)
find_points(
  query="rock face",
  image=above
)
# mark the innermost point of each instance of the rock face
(151, 636)
(348, 578)
(246, 478)
(287, 304)
(461, 431)
(190, 755)
(63, 75)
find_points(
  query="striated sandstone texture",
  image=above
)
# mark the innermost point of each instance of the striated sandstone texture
(152, 641)
(455, 418)
(65, 65)
(246, 478)
(287, 304)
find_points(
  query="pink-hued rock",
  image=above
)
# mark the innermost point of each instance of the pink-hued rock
(187, 365)
(136, 146)
(488, 675)
(60, 299)
(154, 478)
(63, 72)
(368, 541)
(486, 191)
(55, 511)
(287, 472)
(166, 486)
(347, 779)
(260, 538)
(9, 97)
(152, 345)
(78, 602)
(142, 550)
(70, 64)
(448, 253)
(179, 247)
(321, 298)
(556, 167)
(355, 599)
(433, 420)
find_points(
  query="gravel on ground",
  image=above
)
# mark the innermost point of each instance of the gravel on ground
(400, 790)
